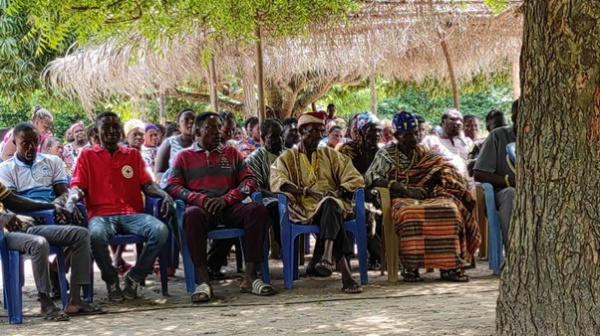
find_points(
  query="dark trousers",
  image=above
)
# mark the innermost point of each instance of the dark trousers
(273, 209)
(374, 237)
(331, 227)
(219, 249)
(252, 217)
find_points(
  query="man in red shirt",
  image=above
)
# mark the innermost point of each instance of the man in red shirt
(110, 179)
(212, 180)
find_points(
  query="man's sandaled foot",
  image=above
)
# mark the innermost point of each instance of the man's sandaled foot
(55, 314)
(324, 268)
(203, 293)
(454, 275)
(84, 309)
(350, 286)
(259, 288)
(411, 275)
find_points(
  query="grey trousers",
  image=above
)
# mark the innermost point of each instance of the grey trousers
(504, 204)
(36, 241)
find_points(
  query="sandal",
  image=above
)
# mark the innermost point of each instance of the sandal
(350, 286)
(454, 275)
(411, 275)
(88, 309)
(203, 293)
(259, 288)
(55, 314)
(324, 268)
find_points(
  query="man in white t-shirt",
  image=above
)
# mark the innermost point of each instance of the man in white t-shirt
(452, 136)
(41, 179)
(433, 143)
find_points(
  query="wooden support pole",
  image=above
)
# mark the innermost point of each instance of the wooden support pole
(212, 80)
(162, 114)
(259, 76)
(516, 79)
(453, 80)
(314, 106)
(372, 82)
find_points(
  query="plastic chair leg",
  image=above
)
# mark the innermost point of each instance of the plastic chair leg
(163, 263)
(296, 255)
(361, 243)
(15, 294)
(288, 262)
(189, 270)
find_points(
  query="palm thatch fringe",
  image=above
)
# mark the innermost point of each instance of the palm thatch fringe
(391, 38)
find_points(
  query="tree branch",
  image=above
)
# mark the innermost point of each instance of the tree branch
(205, 98)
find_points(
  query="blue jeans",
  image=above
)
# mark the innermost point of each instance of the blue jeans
(103, 228)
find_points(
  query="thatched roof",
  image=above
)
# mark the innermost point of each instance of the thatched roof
(393, 38)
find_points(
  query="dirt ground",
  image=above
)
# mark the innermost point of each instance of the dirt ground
(314, 307)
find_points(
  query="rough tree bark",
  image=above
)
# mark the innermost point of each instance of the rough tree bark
(551, 281)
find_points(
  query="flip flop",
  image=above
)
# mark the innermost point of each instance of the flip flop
(55, 314)
(96, 310)
(349, 284)
(259, 288)
(202, 289)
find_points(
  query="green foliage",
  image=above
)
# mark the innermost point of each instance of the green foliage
(65, 112)
(420, 100)
(431, 107)
(496, 5)
(19, 65)
(53, 21)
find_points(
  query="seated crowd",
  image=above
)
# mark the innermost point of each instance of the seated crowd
(97, 183)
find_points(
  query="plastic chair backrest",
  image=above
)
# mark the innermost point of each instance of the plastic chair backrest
(511, 152)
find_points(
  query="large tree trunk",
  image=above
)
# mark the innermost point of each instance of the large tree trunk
(551, 281)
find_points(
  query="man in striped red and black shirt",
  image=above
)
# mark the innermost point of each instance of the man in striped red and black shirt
(212, 180)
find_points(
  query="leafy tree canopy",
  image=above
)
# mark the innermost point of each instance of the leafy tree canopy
(53, 21)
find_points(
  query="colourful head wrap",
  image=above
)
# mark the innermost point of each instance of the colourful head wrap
(364, 119)
(76, 126)
(150, 126)
(311, 118)
(133, 124)
(404, 122)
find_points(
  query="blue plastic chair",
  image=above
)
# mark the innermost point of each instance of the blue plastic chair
(14, 274)
(511, 152)
(290, 232)
(496, 255)
(152, 207)
(189, 269)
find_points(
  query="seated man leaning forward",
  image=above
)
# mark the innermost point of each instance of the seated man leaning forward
(431, 205)
(110, 179)
(35, 240)
(319, 183)
(260, 162)
(212, 180)
(40, 177)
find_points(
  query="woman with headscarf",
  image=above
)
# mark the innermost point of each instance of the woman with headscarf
(362, 151)
(362, 154)
(43, 122)
(149, 148)
(134, 131)
(432, 209)
(77, 131)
